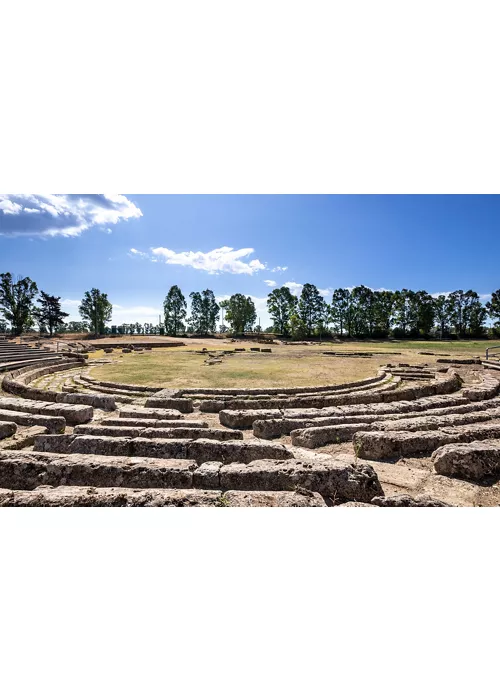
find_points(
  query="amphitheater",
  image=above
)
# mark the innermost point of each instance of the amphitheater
(413, 434)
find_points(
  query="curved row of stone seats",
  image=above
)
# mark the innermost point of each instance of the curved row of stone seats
(213, 405)
(125, 393)
(154, 423)
(390, 444)
(472, 461)
(150, 413)
(73, 414)
(321, 400)
(245, 419)
(271, 391)
(54, 424)
(118, 398)
(17, 355)
(200, 450)
(164, 399)
(329, 477)
(84, 496)
(17, 382)
(175, 431)
(319, 436)
(276, 427)
(450, 383)
(125, 387)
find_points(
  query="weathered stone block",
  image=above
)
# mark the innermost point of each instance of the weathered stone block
(476, 460)
(234, 451)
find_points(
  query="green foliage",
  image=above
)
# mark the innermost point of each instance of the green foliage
(204, 312)
(174, 309)
(311, 307)
(49, 313)
(281, 304)
(298, 328)
(96, 310)
(467, 314)
(493, 306)
(16, 301)
(239, 312)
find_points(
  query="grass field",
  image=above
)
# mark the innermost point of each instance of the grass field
(287, 365)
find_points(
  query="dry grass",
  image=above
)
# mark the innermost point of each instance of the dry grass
(287, 365)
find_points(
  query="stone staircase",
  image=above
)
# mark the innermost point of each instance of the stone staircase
(16, 355)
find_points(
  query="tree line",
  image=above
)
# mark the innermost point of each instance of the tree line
(359, 312)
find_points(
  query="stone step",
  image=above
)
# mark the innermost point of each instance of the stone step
(165, 400)
(276, 427)
(165, 433)
(391, 444)
(200, 450)
(472, 461)
(54, 424)
(244, 419)
(329, 477)
(119, 394)
(24, 437)
(154, 423)
(84, 496)
(151, 413)
(319, 436)
(72, 414)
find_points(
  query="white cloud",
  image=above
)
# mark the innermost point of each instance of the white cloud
(279, 269)
(294, 287)
(62, 214)
(214, 262)
(70, 303)
(270, 283)
(134, 252)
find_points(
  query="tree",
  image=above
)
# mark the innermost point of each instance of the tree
(49, 312)
(493, 307)
(406, 311)
(174, 309)
(96, 310)
(77, 327)
(442, 313)
(281, 304)
(425, 312)
(467, 314)
(311, 307)
(240, 312)
(339, 310)
(16, 301)
(204, 312)
(297, 327)
(384, 304)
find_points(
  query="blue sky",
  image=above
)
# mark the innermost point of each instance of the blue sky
(134, 247)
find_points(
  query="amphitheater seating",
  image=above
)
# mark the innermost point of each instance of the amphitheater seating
(26, 471)
(150, 452)
(390, 444)
(81, 496)
(73, 414)
(16, 355)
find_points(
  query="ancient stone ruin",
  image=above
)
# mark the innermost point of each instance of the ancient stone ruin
(421, 435)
